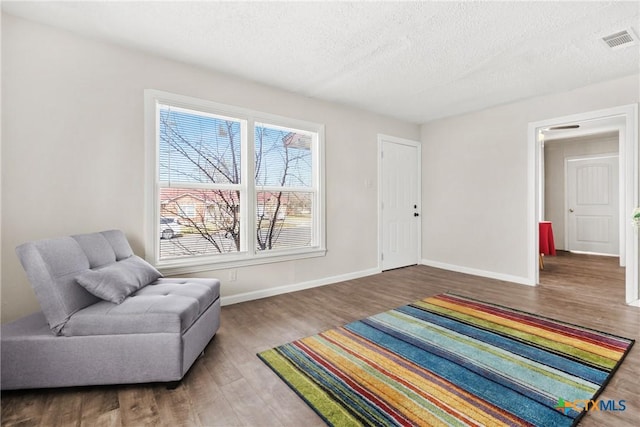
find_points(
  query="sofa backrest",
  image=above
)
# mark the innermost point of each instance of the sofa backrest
(53, 264)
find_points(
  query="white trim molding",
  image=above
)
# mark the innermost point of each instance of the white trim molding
(247, 120)
(278, 290)
(477, 272)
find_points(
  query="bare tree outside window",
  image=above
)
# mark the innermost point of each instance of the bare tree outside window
(282, 162)
(197, 154)
(201, 187)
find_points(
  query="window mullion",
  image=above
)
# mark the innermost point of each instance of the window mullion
(200, 186)
(276, 188)
(318, 222)
(250, 187)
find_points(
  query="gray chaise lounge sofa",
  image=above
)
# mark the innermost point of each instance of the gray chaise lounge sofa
(142, 328)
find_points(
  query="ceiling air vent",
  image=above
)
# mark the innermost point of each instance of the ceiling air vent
(621, 39)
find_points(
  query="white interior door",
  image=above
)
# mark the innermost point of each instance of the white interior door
(592, 204)
(400, 202)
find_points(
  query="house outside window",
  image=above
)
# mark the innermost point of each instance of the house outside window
(246, 187)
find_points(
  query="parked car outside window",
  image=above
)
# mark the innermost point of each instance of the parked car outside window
(169, 228)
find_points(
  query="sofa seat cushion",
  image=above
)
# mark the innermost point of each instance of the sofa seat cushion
(164, 306)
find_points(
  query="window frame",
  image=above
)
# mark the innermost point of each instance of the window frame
(249, 188)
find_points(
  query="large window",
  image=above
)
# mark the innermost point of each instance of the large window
(228, 186)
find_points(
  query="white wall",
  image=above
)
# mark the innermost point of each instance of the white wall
(474, 179)
(73, 154)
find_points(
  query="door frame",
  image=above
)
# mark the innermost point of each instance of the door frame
(402, 141)
(566, 201)
(629, 189)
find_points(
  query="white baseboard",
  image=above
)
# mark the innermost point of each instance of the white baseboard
(269, 292)
(476, 272)
(594, 253)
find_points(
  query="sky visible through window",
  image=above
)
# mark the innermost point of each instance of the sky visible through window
(200, 148)
(197, 148)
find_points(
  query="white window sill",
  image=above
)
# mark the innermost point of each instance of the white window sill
(221, 262)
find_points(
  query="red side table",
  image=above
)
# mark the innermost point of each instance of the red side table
(546, 243)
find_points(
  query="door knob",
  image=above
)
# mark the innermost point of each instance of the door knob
(416, 214)
(570, 210)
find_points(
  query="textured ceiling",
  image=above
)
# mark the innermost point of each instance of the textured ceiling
(416, 61)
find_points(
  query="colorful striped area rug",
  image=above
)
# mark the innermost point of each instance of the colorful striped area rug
(450, 360)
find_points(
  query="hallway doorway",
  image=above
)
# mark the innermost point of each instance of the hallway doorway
(621, 119)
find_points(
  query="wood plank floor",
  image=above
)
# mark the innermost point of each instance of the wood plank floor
(230, 386)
